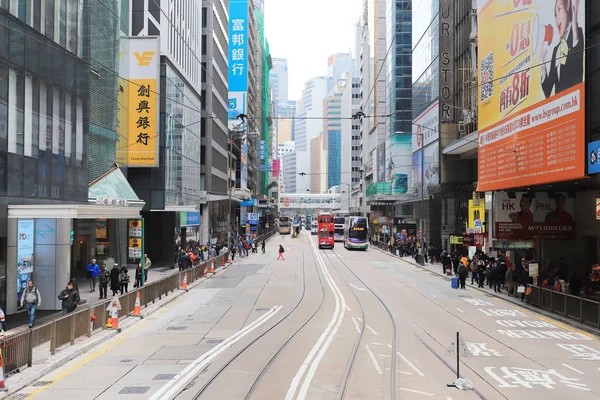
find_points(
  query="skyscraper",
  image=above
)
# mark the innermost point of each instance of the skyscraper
(309, 119)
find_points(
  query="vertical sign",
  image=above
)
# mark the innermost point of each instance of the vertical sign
(238, 45)
(25, 241)
(262, 146)
(276, 168)
(446, 60)
(143, 92)
(136, 235)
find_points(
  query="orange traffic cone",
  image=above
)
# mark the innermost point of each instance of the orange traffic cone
(114, 316)
(2, 384)
(212, 267)
(184, 283)
(205, 271)
(222, 261)
(137, 312)
(229, 259)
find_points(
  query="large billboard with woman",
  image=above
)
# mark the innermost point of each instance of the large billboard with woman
(531, 93)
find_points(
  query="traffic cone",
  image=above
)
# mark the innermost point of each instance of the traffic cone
(2, 384)
(222, 261)
(205, 271)
(212, 267)
(114, 316)
(184, 283)
(229, 259)
(137, 311)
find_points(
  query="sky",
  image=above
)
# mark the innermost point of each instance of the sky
(307, 32)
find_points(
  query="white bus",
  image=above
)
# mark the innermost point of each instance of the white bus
(314, 227)
(356, 233)
(338, 229)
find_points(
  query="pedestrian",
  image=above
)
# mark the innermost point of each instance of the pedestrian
(70, 298)
(2, 322)
(103, 279)
(281, 251)
(124, 279)
(523, 281)
(233, 253)
(138, 276)
(462, 275)
(92, 274)
(474, 265)
(31, 299)
(262, 246)
(481, 271)
(511, 280)
(147, 264)
(115, 284)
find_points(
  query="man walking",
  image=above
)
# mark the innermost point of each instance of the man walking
(147, 264)
(92, 274)
(511, 280)
(70, 298)
(104, 278)
(31, 300)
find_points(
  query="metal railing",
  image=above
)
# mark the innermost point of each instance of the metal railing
(576, 308)
(17, 350)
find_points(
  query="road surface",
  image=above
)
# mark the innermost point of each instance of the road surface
(331, 324)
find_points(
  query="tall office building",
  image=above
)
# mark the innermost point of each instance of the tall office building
(350, 141)
(332, 133)
(214, 78)
(171, 184)
(316, 149)
(337, 65)
(279, 79)
(309, 118)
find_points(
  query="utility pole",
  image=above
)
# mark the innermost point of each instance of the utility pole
(229, 193)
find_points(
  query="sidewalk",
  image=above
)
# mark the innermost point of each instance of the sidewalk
(19, 322)
(437, 269)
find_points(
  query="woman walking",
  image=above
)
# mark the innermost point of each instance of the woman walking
(281, 251)
(124, 279)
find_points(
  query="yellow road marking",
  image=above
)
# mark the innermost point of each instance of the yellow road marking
(119, 339)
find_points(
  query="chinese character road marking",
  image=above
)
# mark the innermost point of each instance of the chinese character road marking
(582, 351)
(477, 302)
(502, 313)
(530, 334)
(527, 378)
(480, 349)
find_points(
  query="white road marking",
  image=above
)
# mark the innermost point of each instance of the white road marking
(356, 325)
(348, 308)
(416, 391)
(171, 388)
(360, 319)
(433, 295)
(372, 330)
(358, 288)
(414, 284)
(376, 344)
(410, 365)
(459, 310)
(405, 373)
(373, 359)
(573, 369)
(313, 358)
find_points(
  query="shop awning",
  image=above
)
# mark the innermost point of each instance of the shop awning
(110, 196)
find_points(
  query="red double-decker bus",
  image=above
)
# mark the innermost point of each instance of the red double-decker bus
(326, 228)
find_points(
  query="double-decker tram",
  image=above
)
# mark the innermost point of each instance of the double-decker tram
(356, 232)
(284, 227)
(325, 227)
(314, 227)
(338, 228)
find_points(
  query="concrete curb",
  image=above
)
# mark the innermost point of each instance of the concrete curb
(128, 322)
(524, 305)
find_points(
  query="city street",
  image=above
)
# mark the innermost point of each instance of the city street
(331, 324)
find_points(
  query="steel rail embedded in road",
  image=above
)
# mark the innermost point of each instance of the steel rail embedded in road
(270, 362)
(393, 366)
(351, 361)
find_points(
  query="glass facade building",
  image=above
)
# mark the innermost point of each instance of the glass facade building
(425, 67)
(44, 98)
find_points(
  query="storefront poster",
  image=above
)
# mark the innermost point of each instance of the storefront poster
(25, 261)
(417, 173)
(432, 166)
(426, 127)
(549, 215)
(531, 94)
(476, 217)
(593, 152)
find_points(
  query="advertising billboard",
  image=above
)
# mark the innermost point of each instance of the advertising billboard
(141, 147)
(531, 94)
(397, 148)
(25, 261)
(476, 217)
(238, 46)
(593, 152)
(426, 127)
(548, 215)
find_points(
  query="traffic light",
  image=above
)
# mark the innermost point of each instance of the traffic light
(72, 237)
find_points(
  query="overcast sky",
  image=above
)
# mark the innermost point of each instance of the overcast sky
(306, 32)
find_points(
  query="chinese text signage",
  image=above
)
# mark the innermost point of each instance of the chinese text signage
(547, 216)
(143, 92)
(531, 93)
(238, 45)
(136, 238)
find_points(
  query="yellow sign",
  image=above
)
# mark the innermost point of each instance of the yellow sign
(143, 132)
(135, 223)
(135, 243)
(456, 239)
(144, 59)
(476, 216)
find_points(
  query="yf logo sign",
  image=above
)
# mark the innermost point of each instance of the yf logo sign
(145, 58)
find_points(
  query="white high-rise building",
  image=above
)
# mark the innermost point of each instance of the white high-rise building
(309, 121)
(279, 78)
(350, 143)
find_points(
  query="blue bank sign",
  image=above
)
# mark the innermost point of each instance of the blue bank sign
(238, 45)
(593, 155)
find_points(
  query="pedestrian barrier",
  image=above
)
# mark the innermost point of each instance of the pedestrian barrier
(577, 308)
(2, 384)
(17, 349)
